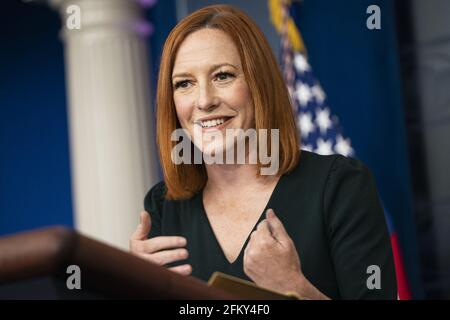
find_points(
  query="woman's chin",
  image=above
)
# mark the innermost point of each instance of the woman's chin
(213, 151)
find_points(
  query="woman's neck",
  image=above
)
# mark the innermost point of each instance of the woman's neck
(224, 177)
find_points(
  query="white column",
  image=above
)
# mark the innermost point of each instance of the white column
(113, 157)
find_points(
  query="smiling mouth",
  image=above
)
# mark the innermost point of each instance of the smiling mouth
(213, 123)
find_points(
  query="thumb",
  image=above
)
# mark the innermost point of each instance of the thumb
(144, 226)
(276, 226)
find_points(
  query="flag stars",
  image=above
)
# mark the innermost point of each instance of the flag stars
(306, 124)
(323, 120)
(307, 147)
(319, 130)
(303, 94)
(324, 147)
(300, 63)
(318, 93)
(343, 146)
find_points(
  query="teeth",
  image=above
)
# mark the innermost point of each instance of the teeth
(212, 123)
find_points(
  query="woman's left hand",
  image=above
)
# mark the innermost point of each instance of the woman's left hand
(271, 260)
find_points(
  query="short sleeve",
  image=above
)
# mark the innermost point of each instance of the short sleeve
(153, 203)
(357, 231)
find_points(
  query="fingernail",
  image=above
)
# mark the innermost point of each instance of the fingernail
(182, 241)
(269, 213)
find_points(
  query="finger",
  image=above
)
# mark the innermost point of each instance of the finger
(146, 256)
(163, 243)
(169, 256)
(146, 221)
(275, 225)
(258, 238)
(143, 228)
(250, 241)
(184, 269)
(264, 228)
(263, 235)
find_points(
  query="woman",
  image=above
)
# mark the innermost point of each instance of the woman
(315, 227)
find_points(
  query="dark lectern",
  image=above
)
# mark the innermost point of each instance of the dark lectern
(35, 265)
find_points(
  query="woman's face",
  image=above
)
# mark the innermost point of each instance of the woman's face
(210, 90)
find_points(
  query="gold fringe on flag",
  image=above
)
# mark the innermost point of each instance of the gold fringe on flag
(275, 8)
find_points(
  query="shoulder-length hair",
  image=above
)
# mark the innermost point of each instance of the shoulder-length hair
(269, 95)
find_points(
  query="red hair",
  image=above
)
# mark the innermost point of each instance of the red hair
(270, 96)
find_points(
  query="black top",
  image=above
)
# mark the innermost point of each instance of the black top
(329, 207)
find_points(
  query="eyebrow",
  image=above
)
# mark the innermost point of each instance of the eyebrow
(213, 67)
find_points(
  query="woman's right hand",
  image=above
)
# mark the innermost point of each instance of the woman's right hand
(160, 250)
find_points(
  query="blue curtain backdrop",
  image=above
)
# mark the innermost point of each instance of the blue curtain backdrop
(359, 70)
(34, 153)
(35, 186)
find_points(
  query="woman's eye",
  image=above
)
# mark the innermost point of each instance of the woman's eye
(182, 84)
(222, 76)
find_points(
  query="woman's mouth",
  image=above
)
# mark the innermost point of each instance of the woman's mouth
(216, 123)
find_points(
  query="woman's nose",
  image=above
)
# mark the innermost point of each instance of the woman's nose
(207, 98)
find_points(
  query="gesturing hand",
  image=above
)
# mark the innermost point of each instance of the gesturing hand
(160, 250)
(270, 258)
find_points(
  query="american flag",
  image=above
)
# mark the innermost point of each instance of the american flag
(319, 128)
(320, 131)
